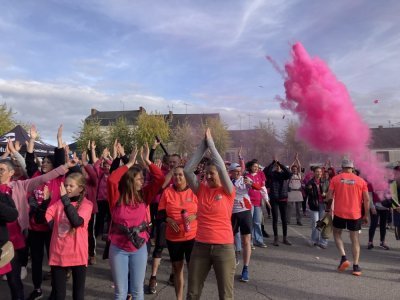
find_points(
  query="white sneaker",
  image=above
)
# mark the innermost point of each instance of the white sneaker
(24, 273)
(4, 278)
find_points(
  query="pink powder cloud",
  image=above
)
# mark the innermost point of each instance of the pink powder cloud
(329, 121)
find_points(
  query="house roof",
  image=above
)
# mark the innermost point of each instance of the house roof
(385, 138)
(106, 118)
(195, 120)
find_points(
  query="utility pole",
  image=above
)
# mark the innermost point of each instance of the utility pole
(171, 108)
(186, 105)
(250, 120)
(240, 121)
(123, 106)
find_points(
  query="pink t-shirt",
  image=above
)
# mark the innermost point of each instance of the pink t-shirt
(255, 195)
(69, 247)
(128, 216)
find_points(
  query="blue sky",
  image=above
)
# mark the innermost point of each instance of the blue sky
(59, 59)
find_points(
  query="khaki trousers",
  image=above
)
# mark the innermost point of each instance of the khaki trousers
(222, 258)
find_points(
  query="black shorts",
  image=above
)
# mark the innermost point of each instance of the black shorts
(180, 250)
(350, 224)
(242, 220)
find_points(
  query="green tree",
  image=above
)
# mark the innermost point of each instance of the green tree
(220, 134)
(7, 121)
(148, 126)
(91, 131)
(123, 132)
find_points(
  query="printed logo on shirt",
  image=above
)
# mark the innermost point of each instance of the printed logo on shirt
(348, 181)
(218, 197)
(63, 227)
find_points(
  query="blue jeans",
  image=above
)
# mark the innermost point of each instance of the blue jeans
(315, 233)
(256, 235)
(125, 263)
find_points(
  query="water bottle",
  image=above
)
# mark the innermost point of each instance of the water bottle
(186, 224)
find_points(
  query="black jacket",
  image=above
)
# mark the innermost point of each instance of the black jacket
(312, 194)
(277, 182)
(8, 214)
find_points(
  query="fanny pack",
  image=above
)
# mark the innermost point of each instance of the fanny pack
(132, 233)
(6, 253)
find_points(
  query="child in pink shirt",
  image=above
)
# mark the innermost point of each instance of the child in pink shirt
(69, 240)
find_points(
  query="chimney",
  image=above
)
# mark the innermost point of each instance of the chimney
(141, 110)
(93, 111)
(170, 115)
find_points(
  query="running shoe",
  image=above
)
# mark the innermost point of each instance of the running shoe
(370, 246)
(245, 274)
(261, 245)
(152, 285)
(384, 246)
(286, 242)
(36, 295)
(356, 270)
(344, 264)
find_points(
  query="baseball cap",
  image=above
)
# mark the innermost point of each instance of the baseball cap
(346, 163)
(233, 166)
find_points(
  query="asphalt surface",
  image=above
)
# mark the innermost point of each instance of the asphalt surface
(285, 272)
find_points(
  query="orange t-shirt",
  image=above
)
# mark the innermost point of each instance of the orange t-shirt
(214, 215)
(348, 191)
(173, 202)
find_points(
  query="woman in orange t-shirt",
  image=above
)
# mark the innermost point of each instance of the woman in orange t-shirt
(214, 239)
(178, 207)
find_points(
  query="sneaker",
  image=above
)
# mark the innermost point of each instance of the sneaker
(152, 285)
(35, 295)
(322, 246)
(261, 245)
(344, 264)
(286, 242)
(370, 246)
(356, 270)
(265, 234)
(24, 273)
(252, 247)
(245, 274)
(92, 260)
(384, 246)
(171, 280)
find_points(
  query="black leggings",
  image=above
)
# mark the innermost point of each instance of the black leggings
(282, 206)
(382, 216)
(14, 277)
(102, 218)
(59, 284)
(91, 236)
(37, 241)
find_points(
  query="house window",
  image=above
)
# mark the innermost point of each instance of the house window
(383, 156)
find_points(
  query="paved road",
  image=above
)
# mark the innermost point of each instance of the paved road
(284, 272)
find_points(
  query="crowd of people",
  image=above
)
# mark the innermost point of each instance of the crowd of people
(204, 211)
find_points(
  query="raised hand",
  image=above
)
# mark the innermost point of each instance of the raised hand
(132, 157)
(120, 149)
(92, 145)
(33, 132)
(84, 158)
(115, 149)
(62, 190)
(59, 136)
(17, 146)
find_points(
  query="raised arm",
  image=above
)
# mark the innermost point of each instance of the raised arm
(18, 157)
(219, 163)
(191, 166)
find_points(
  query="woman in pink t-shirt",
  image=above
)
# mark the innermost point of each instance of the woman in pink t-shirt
(129, 199)
(69, 240)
